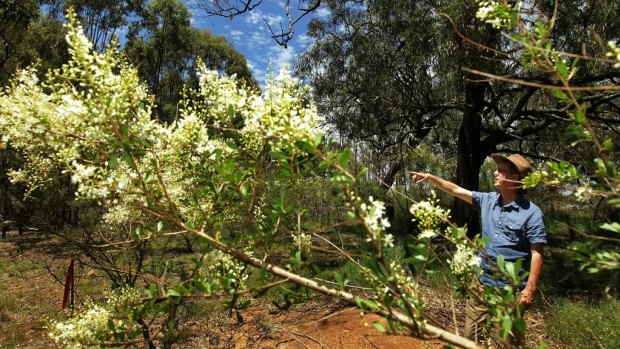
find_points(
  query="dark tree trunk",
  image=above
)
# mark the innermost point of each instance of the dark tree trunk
(390, 176)
(470, 155)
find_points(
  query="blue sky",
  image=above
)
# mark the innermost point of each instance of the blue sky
(251, 36)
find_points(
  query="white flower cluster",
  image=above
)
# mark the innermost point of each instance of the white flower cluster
(221, 97)
(494, 13)
(303, 241)
(283, 116)
(373, 214)
(614, 53)
(91, 324)
(224, 269)
(82, 330)
(429, 216)
(464, 260)
(374, 218)
(584, 193)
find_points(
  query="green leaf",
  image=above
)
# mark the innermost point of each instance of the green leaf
(580, 117)
(202, 286)
(306, 147)
(559, 94)
(113, 161)
(378, 326)
(279, 155)
(342, 279)
(388, 299)
(614, 202)
(231, 111)
(373, 265)
(510, 270)
(562, 69)
(600, 166)
(520, 325)
(124, 128)
(173, 293)
(500, 263)
(506, 327)
(127, 158)
(298, 257)
(608, 144)
(615, 227)
(366, 304)
(343, 158)
(317, 139)
(285, 172)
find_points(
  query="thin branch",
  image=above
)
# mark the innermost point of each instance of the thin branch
(543, 86)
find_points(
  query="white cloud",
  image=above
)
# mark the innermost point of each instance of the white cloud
(273, 20)
(322, 12)
(258, 41)
(256, 16)
(304, 40)
(236, 34)
(280, 4)
(253, 17)
(281, 57)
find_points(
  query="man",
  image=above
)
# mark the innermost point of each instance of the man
(514, 227)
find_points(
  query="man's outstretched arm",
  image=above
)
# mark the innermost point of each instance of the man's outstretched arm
(443, 185)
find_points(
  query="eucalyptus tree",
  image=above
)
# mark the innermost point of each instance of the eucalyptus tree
(389, 72)
(165, 47)
(28, 36)
(102, 20)
(15, 20)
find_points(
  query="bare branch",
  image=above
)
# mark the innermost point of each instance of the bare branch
(230, 9)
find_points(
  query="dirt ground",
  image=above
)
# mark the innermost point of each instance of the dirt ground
(319, 324)
(31, 293)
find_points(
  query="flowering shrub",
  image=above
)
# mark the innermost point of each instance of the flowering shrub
(109, 322)
(201, 174)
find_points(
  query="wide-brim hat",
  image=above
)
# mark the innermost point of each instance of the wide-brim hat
(517, 161)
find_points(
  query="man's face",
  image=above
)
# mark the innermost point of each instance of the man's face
(506, 176)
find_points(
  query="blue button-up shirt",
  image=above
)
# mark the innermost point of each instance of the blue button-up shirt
(511, 229)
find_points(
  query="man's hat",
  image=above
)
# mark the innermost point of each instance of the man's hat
(517, 161)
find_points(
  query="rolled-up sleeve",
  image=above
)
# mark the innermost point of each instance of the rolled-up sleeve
(536, 232)
(476, 200)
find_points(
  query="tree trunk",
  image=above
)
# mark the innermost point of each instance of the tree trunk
(390, 176)
(470, 155)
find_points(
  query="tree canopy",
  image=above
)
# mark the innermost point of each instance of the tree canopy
(389, 73)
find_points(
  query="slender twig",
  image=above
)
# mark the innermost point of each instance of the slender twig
(295, 334)
(540, 85)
